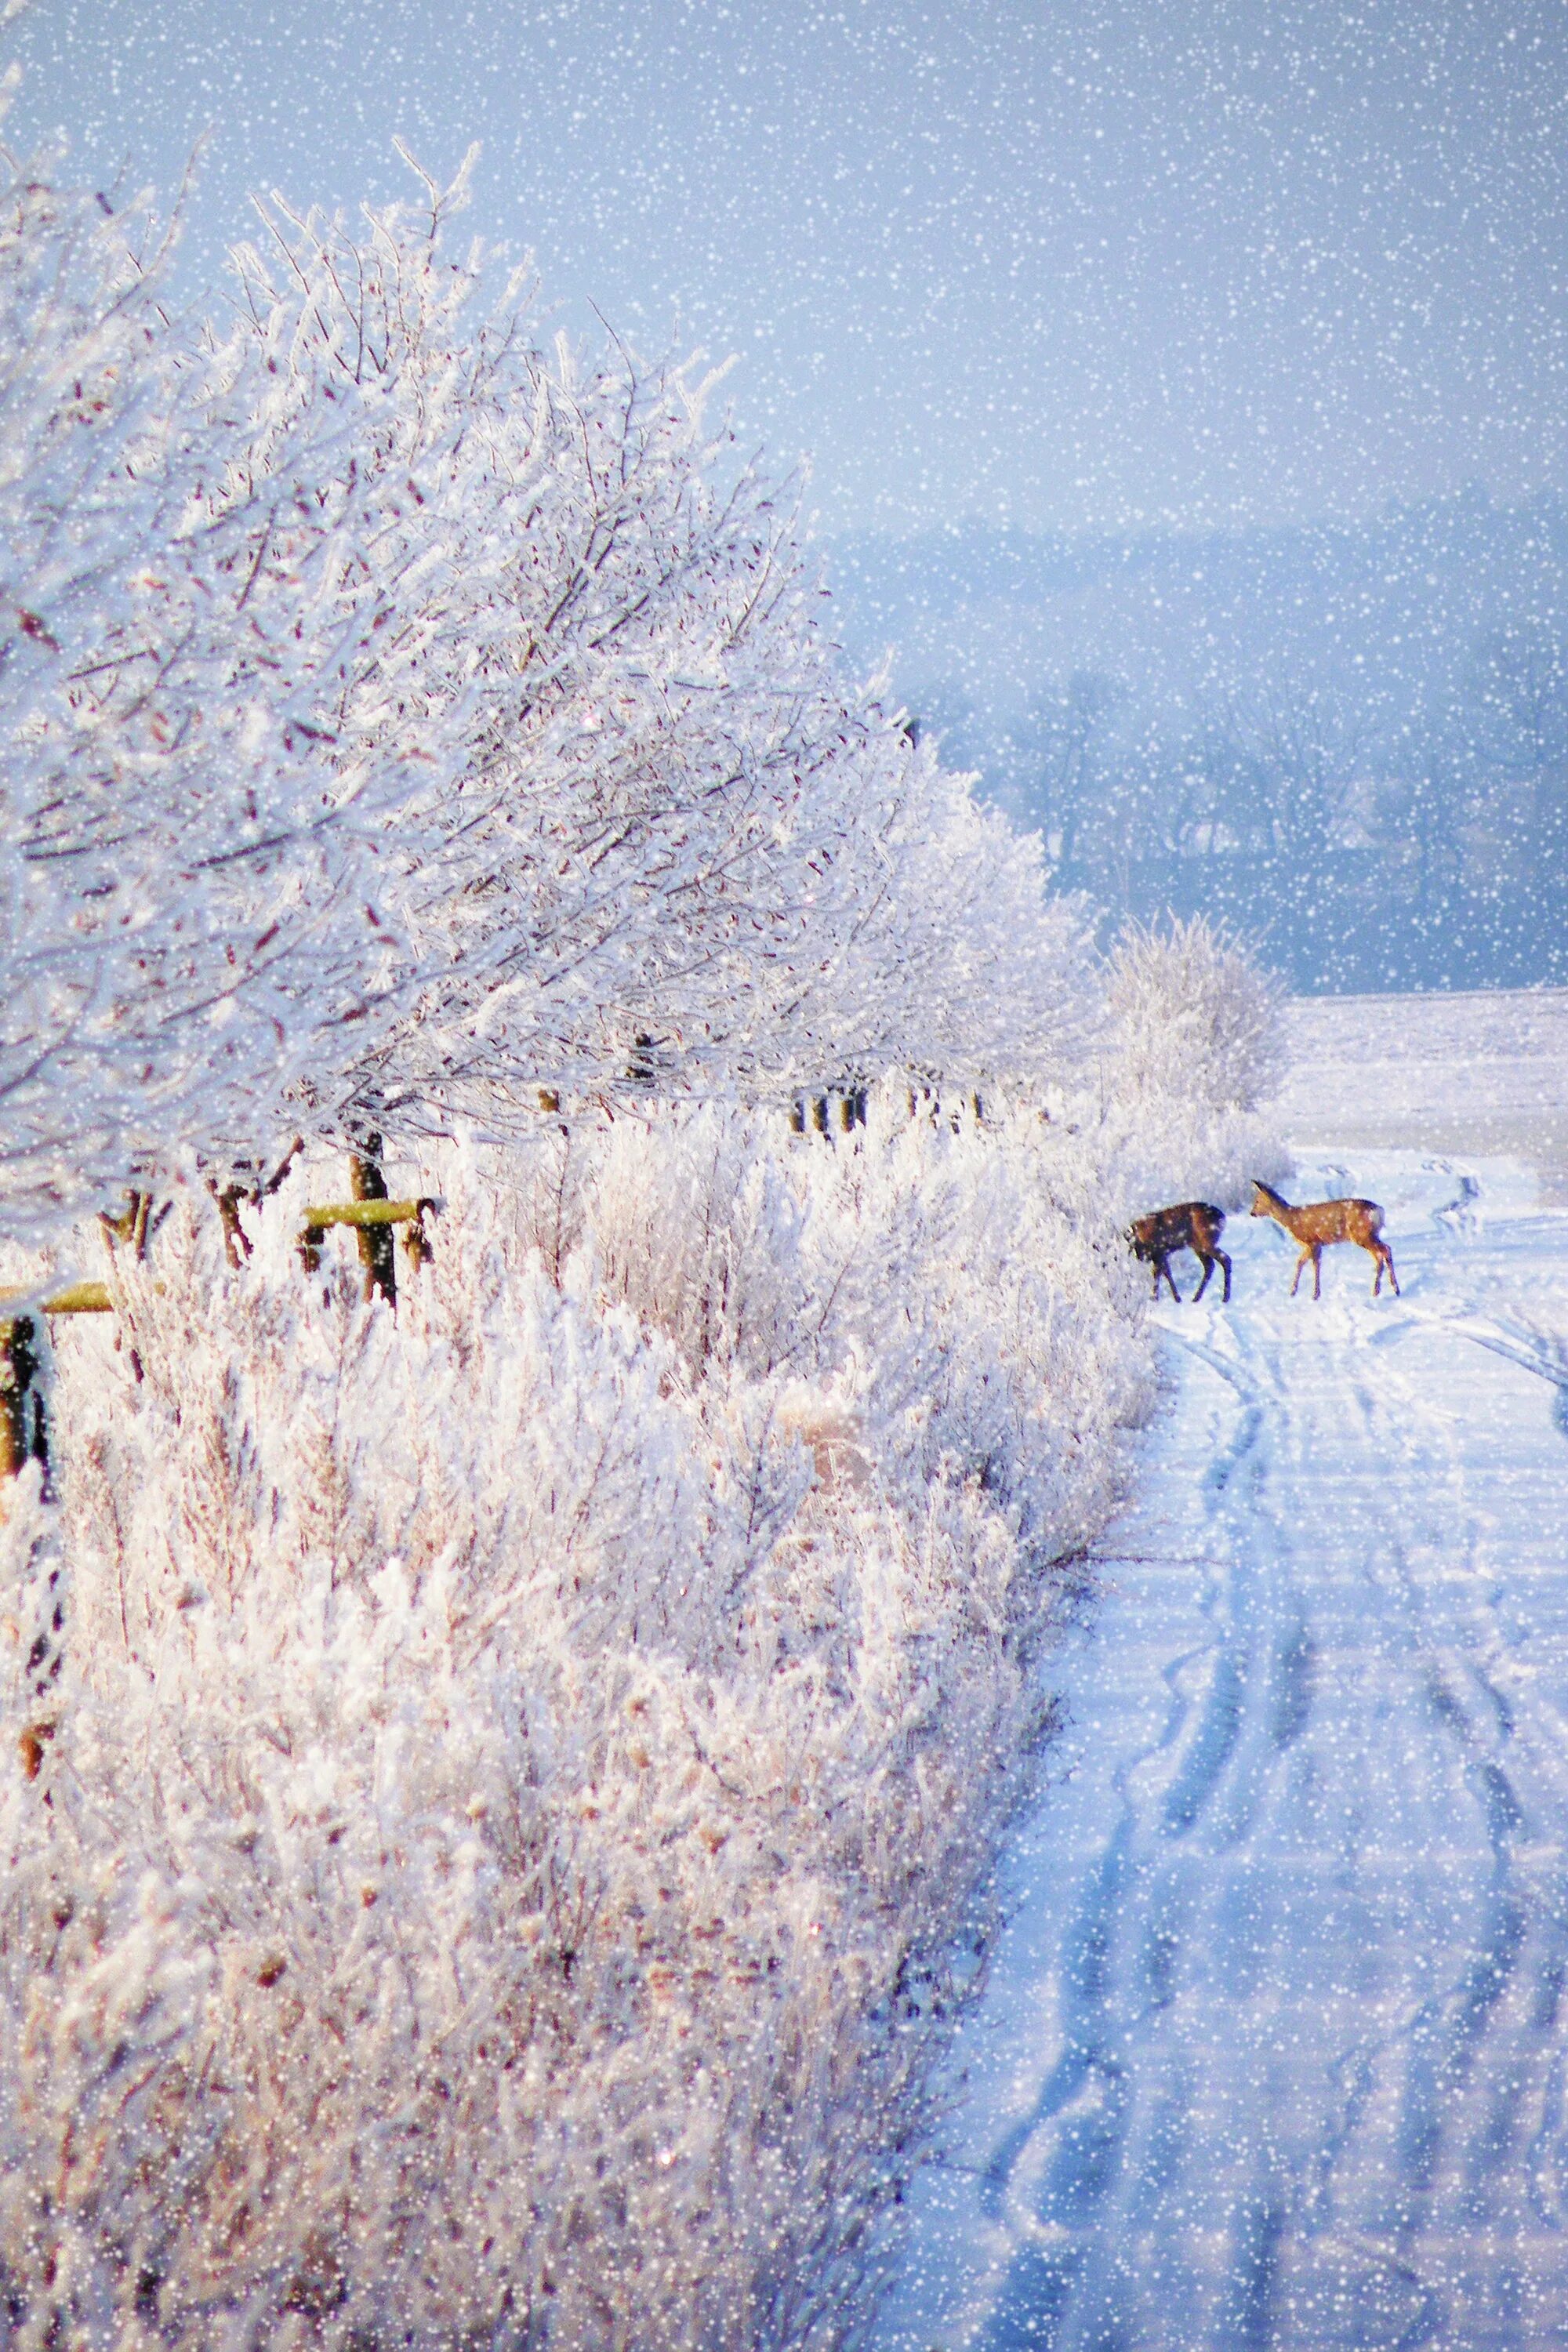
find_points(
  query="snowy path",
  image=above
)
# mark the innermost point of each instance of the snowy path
(1275, 2051)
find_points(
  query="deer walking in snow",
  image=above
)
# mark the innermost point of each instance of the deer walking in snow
(1191, 1224)
(1317, 1223)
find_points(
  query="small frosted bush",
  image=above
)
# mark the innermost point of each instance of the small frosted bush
(1194, 1049)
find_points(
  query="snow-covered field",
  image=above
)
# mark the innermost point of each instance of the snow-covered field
(1274, 2051)
(1462, 1073)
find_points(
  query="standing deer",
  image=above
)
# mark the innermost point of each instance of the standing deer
(1191, 1224)
(1317, 1223)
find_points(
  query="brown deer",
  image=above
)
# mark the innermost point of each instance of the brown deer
(1191, 1224)
(1317, 1223)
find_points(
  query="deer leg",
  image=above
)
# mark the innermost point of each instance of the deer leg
(1207, 1266)
(1225, 1262)
(1318, 1272)
(1300, 1268)
(1381, 1254)
(1165, 1270)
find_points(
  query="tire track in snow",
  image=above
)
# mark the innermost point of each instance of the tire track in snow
(1282, 2061)
(1083, 2095)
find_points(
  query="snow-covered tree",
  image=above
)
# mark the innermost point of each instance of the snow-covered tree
(678, 822)
(215, 696)
(399, 719)
(1193, 1048)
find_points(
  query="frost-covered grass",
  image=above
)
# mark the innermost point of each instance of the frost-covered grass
(1458, 1073)
(519, 1767)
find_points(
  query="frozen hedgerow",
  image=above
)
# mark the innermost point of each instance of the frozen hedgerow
(520, 1767)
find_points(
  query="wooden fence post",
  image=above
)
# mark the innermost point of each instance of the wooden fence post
(23, 1425)
(377, 1253)
(374, 1215)
(841, 1111)
(24, 1417)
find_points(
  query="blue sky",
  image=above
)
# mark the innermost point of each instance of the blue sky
(1204, 261)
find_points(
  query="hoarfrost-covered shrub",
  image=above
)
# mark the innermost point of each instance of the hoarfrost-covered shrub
(519, 1767)
(1193, 1012)
(1194, 1048)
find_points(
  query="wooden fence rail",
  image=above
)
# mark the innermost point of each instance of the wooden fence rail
(24, 1417)
(372, 1219)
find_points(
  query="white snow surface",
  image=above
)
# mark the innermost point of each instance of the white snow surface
(1473, 1071)
(1271, 2051)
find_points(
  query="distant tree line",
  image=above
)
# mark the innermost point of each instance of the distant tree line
(1367, 851)
(1348, 736)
